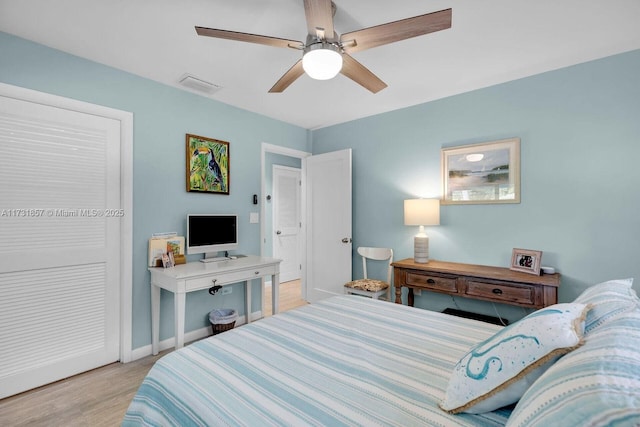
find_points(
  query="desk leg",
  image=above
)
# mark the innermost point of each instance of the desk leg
(275, 293)
(155, 318)
(247, 304)
(179, 313)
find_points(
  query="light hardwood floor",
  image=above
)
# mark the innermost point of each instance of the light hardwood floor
(290, 297)
(100, 397)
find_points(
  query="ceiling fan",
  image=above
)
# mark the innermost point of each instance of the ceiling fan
(325, 53)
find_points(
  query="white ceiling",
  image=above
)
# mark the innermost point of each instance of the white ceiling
(490, 42)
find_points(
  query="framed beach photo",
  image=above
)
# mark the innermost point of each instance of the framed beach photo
(207, 165)
(526, 260)
(481, 173)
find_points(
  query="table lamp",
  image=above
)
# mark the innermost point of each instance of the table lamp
(421, 212)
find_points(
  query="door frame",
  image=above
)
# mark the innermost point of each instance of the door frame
(126, 193)
(290, 152)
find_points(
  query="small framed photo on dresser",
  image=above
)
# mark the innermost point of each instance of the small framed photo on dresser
(526, 261)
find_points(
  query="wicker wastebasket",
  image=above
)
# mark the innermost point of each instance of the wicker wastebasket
(222, 319)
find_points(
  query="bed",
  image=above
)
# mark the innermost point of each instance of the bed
(344, 361)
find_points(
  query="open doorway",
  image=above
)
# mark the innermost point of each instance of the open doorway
(326, 214)
(289, 160)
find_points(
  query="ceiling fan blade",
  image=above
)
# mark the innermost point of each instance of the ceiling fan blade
(288, 78)
(250, 38)
(319, 15)
(360, 74)
(395, 31)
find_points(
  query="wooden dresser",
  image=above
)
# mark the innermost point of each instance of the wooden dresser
(496, 284)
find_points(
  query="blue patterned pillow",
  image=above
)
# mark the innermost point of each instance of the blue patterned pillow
(608, 299)
(497, 371)
(596, 385)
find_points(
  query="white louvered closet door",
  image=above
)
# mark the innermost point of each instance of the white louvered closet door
(59, 243)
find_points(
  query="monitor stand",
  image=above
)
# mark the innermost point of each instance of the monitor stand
(218, 256)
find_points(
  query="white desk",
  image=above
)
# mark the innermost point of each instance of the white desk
(195, 276)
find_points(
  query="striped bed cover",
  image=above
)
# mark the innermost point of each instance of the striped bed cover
(344, 361)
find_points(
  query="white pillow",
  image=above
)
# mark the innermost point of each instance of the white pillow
(597, 385)
(497, 371)
(608, 300)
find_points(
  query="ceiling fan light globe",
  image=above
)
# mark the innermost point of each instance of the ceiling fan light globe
(322, 64)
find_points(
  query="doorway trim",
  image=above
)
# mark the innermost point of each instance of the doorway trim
(290, 152)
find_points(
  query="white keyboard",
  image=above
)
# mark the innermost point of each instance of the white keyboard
(215, 259)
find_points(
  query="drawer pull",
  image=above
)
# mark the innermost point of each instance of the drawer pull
(431, 281)
(497, 291)
(257, 272)
(214, 281)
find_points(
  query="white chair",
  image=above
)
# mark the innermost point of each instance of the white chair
(371, 287)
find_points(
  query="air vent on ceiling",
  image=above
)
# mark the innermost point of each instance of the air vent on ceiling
(198, 84)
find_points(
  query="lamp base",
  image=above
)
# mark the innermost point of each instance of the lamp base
(421, 249)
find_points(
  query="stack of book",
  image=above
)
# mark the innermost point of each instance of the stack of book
(166, 250)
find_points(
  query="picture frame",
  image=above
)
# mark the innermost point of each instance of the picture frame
(166, 261)
(526, 261)
(482, 173)
(208, 162)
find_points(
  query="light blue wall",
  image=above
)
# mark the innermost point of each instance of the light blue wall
(162, 117)
(580, 150)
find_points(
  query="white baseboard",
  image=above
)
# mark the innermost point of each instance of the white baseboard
(190, 336)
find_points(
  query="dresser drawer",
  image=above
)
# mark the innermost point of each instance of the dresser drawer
(432, 282)
(507, 292)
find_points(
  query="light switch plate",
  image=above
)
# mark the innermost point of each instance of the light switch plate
(254, 217)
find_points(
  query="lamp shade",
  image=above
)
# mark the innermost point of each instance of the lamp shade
(322, 61)
(422, 212)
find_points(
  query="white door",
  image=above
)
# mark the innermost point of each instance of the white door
(286, 221)
(328, 212)
(60, 212)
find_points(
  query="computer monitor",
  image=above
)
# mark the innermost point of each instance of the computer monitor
(211, 233)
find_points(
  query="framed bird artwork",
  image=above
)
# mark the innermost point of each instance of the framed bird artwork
(207, 165)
